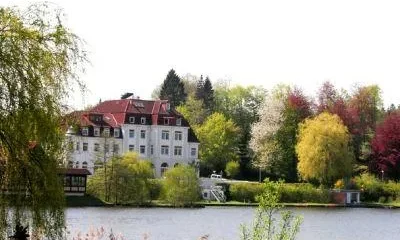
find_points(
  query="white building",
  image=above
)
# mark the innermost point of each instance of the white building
(152, 128)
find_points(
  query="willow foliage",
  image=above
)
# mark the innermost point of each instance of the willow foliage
(39, 62)
(323, 149)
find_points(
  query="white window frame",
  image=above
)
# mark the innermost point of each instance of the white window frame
(178, 136)
(116, 132)
(131, 147)
(193, 152)
(96, 132)
(106, 132)
(131, 119)
(131, 133)
(84, 165)
(151, 149)
(164, 150)
(165, 135)
(143, 134)
(179, 122)
(178, 151)
(166, 121)
(85, 131)
(143, 120)
(142, 147)
(77, 146)
(85, 146)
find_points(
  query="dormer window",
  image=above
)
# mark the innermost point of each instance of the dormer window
(116, 132)
(178, 121)
(98, 119)
(131, 119)
(96, 132)
(106, 132)
(143, 120)
(166, 121)
(168, 106)
(85, 131)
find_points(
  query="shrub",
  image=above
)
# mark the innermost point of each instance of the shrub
(181, 186)
(371, 187)
(155, 186)
(339, 184)
(245, 192)
(303, 192)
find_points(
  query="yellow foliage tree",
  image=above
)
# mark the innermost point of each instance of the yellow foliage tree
(323, 149)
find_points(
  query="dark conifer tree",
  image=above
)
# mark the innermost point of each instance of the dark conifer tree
(173, 89)
(200, 89)
(208, 98)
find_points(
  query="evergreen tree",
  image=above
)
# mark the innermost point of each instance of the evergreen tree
(200, 89)
(208, 98)
(173, 89)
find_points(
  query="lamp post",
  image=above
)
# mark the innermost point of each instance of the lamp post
(383, 172)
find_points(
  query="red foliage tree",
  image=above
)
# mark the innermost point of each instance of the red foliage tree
(386, 147)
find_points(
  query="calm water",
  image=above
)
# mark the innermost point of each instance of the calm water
(224, 222)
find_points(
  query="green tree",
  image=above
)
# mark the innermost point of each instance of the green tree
(232, 169)
(323, 149)
(173, 89)
(218, 137)
(193, 111)
(205, 92)
(265, 225)
(181, 186)
(39, 64)
(127, 180)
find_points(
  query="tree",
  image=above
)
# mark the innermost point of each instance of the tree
(264, 142)
(323, 149)
(205, 92)
(218, 137)
(181, 186)
(265, 225)
(232, 169)
(200, 89)
(39, 64)
(173, 89)
(385, 154)
(127, 180)
(193, 111)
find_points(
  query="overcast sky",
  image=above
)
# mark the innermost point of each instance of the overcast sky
(133, 44)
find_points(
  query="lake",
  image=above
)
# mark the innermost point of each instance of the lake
(223, 222)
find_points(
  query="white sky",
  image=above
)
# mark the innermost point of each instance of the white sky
(133, 44)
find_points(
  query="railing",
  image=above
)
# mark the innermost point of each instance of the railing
(218, 194)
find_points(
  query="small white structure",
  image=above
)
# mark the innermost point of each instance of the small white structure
(346, 196)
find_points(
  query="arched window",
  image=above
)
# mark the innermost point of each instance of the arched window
(84, 165)
(164, 168)
(76, 164)
(70, 164)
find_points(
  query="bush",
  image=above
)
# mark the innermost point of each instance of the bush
(232, 169)
(371, 187)
(303, 192)
(245, 192)
(339, 184)
(155, 186)
(181, 186)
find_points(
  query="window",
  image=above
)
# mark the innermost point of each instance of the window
(143, 134)
(143, 120)
(151, 149)
(165, 135)
(106, 132)
(116, 148)
(164, 150)
(177, 151)
(142, 149)
(178, 121)
(131, 133)
(76, 164)
(164, 168)
(107, 147)
(96, 132)
(131, 148)
(78, 146)
(193, 152)
(84, 165)
(96, 147)
(131, 119)
(166, 121)
(85, 131)
(85, 147)
(178, 136)
(116, 132)
(70, 164)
